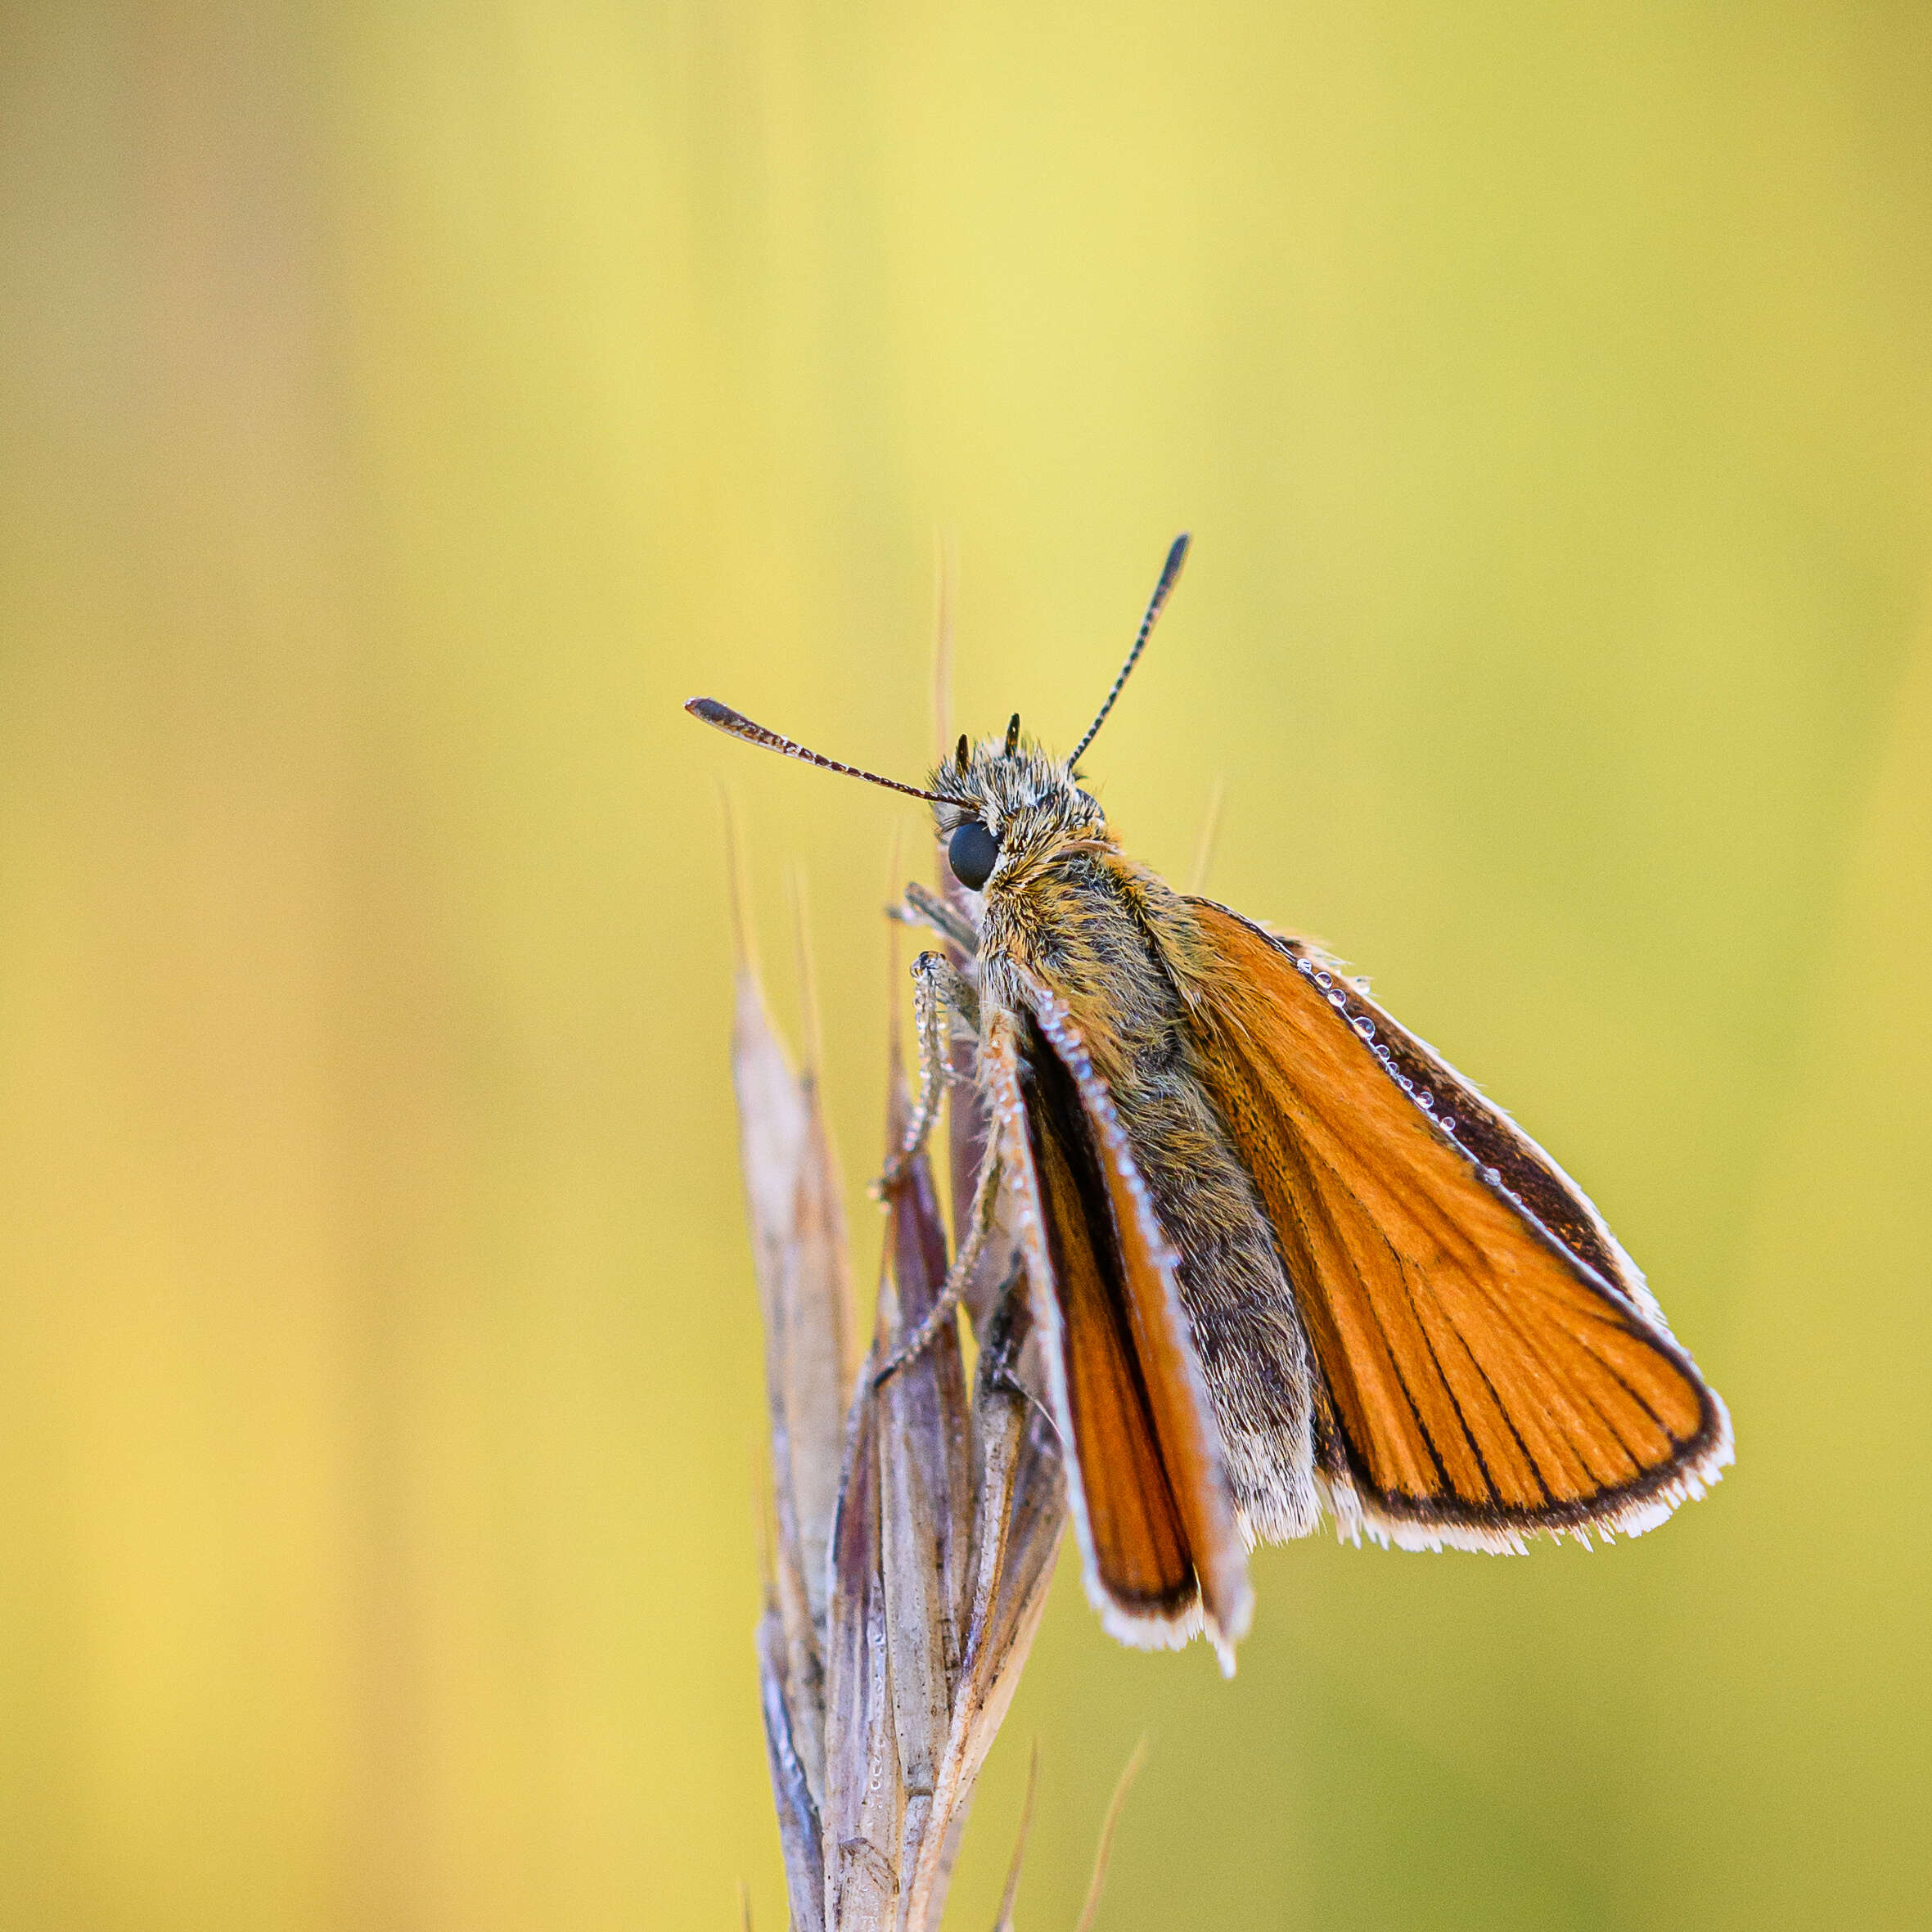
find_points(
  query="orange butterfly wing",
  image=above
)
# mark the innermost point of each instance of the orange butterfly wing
(1491, 1362)
(1163, 1555)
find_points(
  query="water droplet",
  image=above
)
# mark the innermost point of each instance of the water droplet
(1323, 979)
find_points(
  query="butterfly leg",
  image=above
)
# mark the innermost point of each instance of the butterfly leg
(1002, 1337)
(938, 986)
(965, 1264)
(923, 907)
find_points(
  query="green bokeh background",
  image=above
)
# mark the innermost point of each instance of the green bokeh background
(404, 407)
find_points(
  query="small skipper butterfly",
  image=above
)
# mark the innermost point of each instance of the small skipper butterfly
(1284, 1260)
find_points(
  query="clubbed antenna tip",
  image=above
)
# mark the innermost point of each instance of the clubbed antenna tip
(723, 717)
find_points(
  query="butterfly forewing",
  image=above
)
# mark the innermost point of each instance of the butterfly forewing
(1130, 1538)
(1491, 1361)
(1156, 1326)
(1150, 1509)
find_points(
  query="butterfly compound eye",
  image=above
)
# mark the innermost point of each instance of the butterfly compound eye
(971, 852)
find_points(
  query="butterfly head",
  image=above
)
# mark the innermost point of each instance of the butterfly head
(1000, 807)
(1005, 802)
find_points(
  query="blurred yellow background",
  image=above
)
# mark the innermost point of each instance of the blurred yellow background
(403, 408)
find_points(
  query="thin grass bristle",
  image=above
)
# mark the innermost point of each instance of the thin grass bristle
(1104, 1852)
(1004, 1922)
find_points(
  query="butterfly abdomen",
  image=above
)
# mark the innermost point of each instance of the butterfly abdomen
(1115, 947)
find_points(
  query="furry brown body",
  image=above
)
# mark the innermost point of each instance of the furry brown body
(1069, 912)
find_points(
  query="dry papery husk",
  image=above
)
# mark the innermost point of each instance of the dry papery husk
(914, 1528)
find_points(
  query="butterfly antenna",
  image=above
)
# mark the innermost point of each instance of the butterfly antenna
(1176, 556)
(741, 726)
